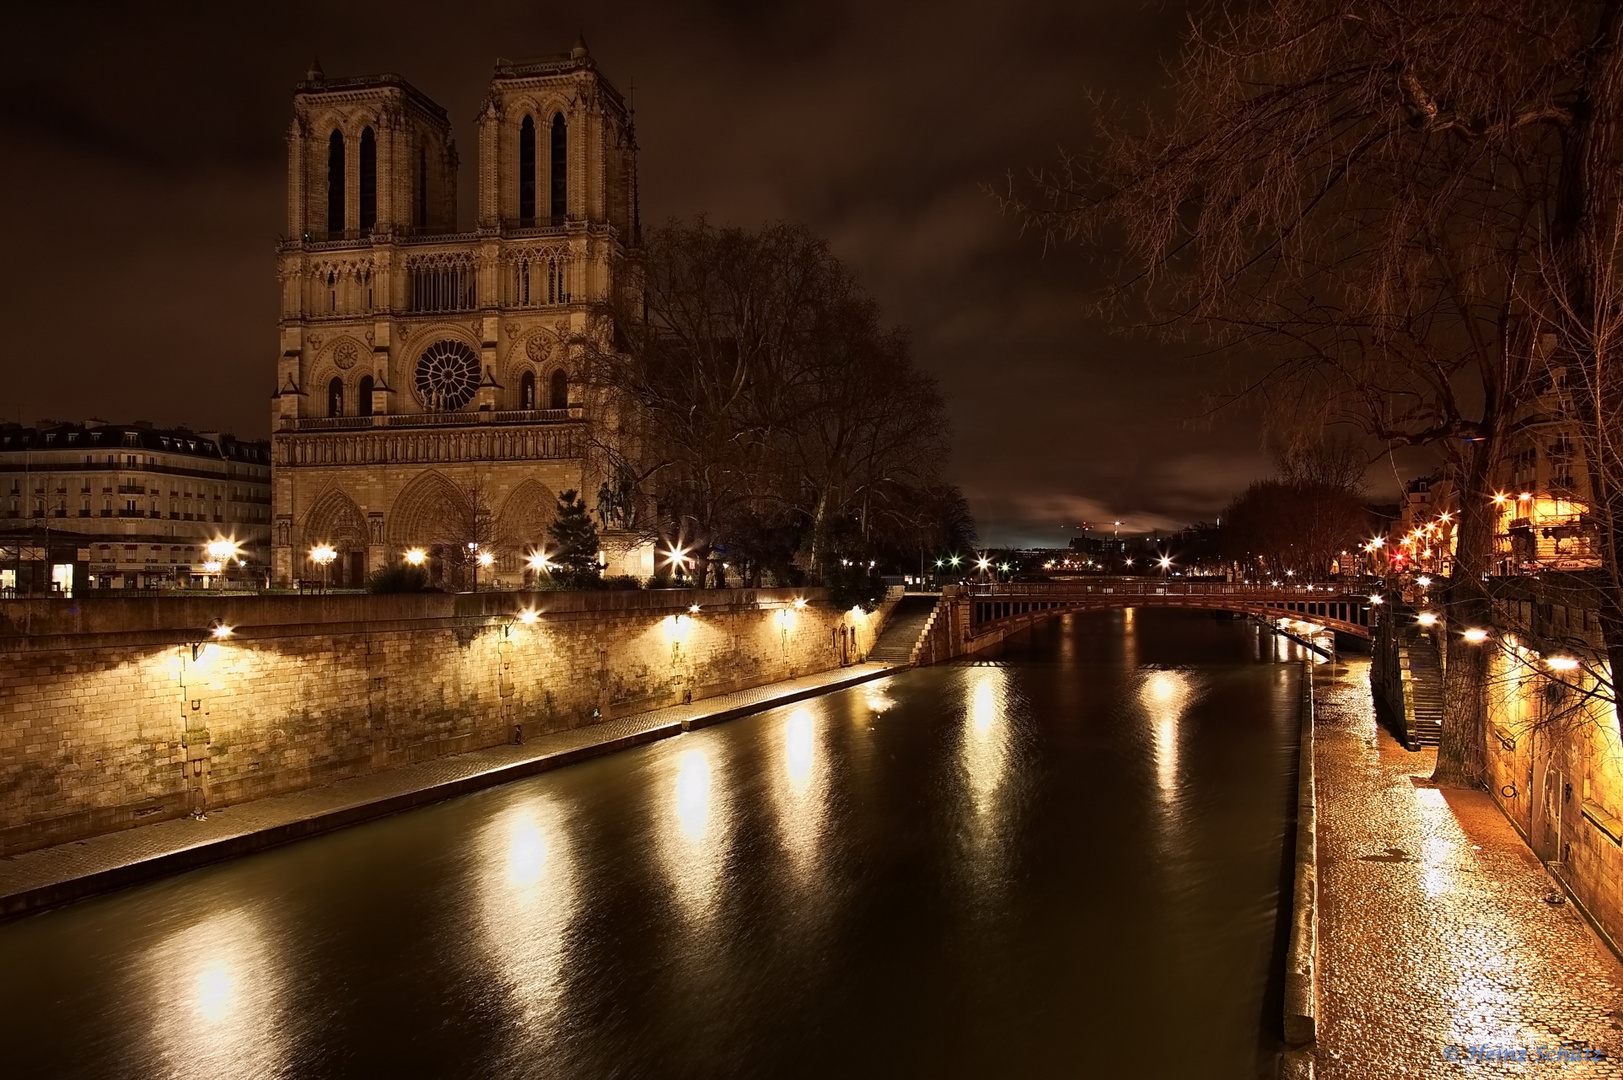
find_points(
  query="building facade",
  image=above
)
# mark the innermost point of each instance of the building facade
(116, 506)
(428, 394)
(1543, 497)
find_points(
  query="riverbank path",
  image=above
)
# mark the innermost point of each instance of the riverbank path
(1435, 930)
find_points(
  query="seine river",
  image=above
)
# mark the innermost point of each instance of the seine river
(1063, 860)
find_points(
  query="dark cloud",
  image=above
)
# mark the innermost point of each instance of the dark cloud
(144, 194)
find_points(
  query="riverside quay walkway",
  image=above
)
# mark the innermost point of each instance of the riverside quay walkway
(1445, 949)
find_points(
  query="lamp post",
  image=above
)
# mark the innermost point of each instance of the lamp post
(219, 552)
(323, 555)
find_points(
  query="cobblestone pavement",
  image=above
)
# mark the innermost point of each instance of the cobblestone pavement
(232, 828)
(1434, 930)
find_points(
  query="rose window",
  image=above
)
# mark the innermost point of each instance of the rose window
(447, 376)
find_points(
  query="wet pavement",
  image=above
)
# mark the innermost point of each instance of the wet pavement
(1439, 955)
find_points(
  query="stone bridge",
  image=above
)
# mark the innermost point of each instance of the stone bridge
(972, 617)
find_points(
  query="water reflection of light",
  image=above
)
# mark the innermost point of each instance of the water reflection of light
(693, 837)
(1129, 639)
(985, 748)
(799, 748)
(527, 897)
(526, 856)
(693, 793)
(217, 997)
(1164, 696)
(800, 793)
(878, 699)
(215, 993)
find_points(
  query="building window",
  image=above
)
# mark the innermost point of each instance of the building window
(526, 390)
(447, 376)
(363, 404)
(422, 187)
(369, 180)
(526, 172)
(560, 390)
(335, 182)
(560, 168)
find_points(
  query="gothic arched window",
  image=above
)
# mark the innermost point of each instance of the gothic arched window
(526, 390)
(335, 182)
(363, 396)
(369, 180)
(560, 167)
(560, 390)
(335, 397)
(422, 187)
(526, 172)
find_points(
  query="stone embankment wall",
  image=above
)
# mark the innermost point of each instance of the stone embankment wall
(1555, 765)
(116, 712)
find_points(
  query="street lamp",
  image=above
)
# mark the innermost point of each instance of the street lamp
(219, 552)
(323, 555)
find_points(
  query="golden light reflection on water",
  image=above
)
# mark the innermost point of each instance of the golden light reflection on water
(1164, 696)
(800, 791)
(217, 999)
(693, 794)
(799, 749)
(877, 698)
(527, 896)
(985, 748)
(693, 835)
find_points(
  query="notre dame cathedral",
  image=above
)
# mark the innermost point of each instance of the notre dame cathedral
(426, 395)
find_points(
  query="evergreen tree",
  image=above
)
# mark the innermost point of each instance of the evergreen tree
(575, 543)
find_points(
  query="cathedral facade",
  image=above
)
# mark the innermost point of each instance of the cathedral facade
(427, 398)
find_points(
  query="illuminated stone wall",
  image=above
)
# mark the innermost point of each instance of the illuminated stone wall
(108, 720)
(1555, 764)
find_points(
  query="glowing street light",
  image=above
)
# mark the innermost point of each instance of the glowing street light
(528, 616)
(1561, 663)
(1423, 581)
(416, 557)
(323, 555)
(1475, 636)
(1427, 618)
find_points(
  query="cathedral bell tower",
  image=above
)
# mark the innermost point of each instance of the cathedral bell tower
(368, 155)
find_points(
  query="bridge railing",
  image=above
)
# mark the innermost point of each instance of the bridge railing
(1018, 590)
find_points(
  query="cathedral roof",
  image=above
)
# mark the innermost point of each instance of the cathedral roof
(352, 83)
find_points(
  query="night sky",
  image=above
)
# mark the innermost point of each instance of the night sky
(145, 173)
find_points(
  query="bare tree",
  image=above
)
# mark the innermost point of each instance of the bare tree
(1372, 196)
(760, 382)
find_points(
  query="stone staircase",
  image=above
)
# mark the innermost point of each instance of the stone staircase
(902, 630)
(1423, 690)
